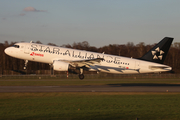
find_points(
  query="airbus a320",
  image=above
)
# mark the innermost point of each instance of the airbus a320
(63, 59)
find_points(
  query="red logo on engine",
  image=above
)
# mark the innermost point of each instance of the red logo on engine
(37, 54)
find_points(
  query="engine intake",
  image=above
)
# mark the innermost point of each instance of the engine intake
(60, 66)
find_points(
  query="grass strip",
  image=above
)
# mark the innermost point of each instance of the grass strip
(88, 106)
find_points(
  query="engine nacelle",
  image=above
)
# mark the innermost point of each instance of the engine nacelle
(60, 66)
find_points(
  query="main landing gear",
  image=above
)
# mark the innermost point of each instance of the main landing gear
(81, 75)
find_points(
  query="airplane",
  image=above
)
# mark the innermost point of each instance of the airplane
(64, 59)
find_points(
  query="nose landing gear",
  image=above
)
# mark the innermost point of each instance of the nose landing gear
(25, 64)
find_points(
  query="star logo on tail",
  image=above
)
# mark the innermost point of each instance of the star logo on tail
(157, 54)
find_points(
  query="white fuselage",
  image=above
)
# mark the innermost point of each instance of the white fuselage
(47, 54)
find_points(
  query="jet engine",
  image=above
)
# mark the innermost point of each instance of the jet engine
(60, 66)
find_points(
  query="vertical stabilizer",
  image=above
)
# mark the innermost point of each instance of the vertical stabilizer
(158, 53)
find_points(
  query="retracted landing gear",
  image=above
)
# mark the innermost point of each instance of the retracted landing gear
(25, 64)
(81, 75)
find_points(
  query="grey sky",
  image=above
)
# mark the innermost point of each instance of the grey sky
(100, 22)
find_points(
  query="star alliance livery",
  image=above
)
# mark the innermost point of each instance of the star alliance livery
(64, 59)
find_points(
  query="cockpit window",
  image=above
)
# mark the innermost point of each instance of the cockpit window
(16, 46)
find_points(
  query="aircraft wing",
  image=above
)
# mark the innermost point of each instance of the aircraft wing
(118, 69)
(86, 63)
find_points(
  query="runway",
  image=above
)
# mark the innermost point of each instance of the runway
(94, 88)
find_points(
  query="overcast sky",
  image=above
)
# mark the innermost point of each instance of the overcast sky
(100, 22)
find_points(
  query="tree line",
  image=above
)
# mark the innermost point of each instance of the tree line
(126, 50)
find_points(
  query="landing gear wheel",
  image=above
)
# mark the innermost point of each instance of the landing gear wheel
(81, 76)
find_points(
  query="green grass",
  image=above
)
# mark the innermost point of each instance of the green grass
(126, 106)
(92, 105)
(58, 82)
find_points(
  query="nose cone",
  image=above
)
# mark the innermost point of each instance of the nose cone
(7, 51)
(11, 52)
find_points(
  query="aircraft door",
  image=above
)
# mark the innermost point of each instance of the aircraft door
(27, 49)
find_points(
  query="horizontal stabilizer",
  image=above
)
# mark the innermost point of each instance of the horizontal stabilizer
(159, 67)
